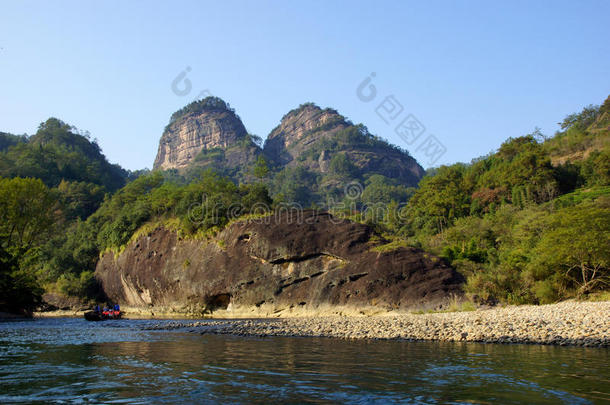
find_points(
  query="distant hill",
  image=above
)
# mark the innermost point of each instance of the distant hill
(58, 153)
(7, 140)
(581, 134)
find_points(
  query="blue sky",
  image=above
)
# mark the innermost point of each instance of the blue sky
(473, 72)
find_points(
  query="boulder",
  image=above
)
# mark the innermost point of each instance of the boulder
(286, 259)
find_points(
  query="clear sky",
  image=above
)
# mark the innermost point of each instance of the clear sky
(473, 72)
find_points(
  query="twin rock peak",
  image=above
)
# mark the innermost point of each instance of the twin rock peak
(209, 133)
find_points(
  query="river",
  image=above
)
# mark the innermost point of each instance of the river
(71, 360)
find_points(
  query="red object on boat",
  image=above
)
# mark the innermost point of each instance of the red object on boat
(102, 315)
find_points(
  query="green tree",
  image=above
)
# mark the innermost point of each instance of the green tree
(79, 199)
(20, 291)
(261, 168)
(341, 165)
(595, 170)
(27, 213)
(439, 201)
(8, 140)
(382, 190)
(573, 250)
(520, 162)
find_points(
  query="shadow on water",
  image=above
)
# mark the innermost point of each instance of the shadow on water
(53, 361)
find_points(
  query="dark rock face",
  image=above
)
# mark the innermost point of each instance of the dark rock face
(184, 138)
(54, 301)
(300, 259)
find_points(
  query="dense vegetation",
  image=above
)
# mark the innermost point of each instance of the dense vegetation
(228, 162)
(527, 224)
(27, 217)
(348, 145)
(56, 153)
(521, 229)
(8, 140)
(48, 182)
(198, 106)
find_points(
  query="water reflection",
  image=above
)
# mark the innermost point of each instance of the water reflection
(143, 367)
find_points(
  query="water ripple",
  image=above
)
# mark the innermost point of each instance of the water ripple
(70, 360)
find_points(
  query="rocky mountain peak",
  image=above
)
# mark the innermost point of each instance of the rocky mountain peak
(208, 134)
(314, 138)
(202, 125)
(301, 127)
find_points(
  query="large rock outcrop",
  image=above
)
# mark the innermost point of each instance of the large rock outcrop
(203, 125)
(306, 259)
(311, 137)
(301, 128)
(208, 134)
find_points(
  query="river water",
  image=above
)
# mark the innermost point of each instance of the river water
(71, 360)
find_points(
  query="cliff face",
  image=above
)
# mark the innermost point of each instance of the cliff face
(188, 135)
(208, 133)
(311, 137)
(301, 128)
(311, 259)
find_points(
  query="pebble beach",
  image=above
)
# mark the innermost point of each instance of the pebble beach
(567, 323)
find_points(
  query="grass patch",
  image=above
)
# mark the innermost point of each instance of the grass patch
(390, 247)
(456, 305)
(464, 306)
(248, 217)
(171, 224)
(598, 296)
(578, 196)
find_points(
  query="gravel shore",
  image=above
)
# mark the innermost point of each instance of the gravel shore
(566, 323)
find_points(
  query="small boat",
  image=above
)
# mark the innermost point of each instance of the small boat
(103, 315)
(93, 316)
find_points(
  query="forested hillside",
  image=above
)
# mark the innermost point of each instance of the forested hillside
(527, 224)
(48, 183)
(56, 153)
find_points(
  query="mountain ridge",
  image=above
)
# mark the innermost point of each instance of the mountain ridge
(321, 145)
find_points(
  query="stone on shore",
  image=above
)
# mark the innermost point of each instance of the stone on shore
(566, 323)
